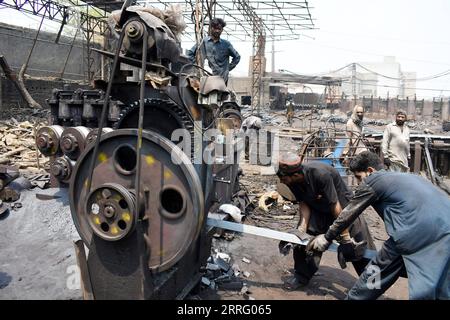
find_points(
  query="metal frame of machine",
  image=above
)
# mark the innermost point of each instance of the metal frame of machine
(141, 214)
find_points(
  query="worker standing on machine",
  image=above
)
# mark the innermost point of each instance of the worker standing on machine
(217, 51)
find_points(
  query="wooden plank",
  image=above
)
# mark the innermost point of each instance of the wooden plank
(85, 280)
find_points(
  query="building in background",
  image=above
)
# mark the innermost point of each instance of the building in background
(379, 79)
(408, 84)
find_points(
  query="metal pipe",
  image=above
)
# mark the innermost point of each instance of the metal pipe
(34, 42)
(70, 51)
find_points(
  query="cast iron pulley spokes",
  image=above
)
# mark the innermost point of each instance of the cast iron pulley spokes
(111, 211)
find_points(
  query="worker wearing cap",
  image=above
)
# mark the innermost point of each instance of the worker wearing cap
(417, 219)
(322, 194)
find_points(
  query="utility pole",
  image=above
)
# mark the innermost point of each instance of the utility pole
(273, 55)
(259, 44)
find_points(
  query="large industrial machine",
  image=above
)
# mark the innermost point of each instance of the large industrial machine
(138, 199)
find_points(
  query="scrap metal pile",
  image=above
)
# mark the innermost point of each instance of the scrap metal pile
(138, 201)
(21, 165)
(17, 145)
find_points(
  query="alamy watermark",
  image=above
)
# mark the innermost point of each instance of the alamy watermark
(215, 146)
(73, 281)
(373, 277)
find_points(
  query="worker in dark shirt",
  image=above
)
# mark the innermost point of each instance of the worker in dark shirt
(216, 50)
(322, 194)
(417, 219)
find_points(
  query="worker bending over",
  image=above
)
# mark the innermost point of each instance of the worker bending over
(417, 219)
(322, 194)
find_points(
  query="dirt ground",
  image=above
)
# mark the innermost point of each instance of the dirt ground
(37, 256)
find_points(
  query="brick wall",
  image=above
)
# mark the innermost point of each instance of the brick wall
(39, 89)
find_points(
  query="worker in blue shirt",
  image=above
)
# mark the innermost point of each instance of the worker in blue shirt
(216, 50)
(417, 219)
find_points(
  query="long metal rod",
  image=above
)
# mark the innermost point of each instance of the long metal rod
(64, 22)
(429, 161)
(104, 111)
(86, 285)
(290, 19)
(141, 118)
(272, 234)
(70, 51)
(34, 43)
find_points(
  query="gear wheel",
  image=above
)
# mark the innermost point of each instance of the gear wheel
(161, 116)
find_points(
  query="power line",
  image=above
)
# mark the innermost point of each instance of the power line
(435, 76)
(426, 78)
(384, 38)
(371, 53)
(397, 87)
(321, 73)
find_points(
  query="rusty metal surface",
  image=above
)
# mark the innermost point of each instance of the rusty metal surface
(145, 232)
(73, 141)
(111, 211)
(85, 281)
(332, 146)
(172, 194)
(92, 135)
(9, 195)
(61, 168)
(48, 138)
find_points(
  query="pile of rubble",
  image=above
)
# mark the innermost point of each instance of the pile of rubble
(21, 165)
(222, 273)
(18, 147)
(376, 122)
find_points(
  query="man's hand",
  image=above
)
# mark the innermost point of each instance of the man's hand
(285, 247)
(387, 162)
(318, 243)
(350, 251)
(301, 233)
